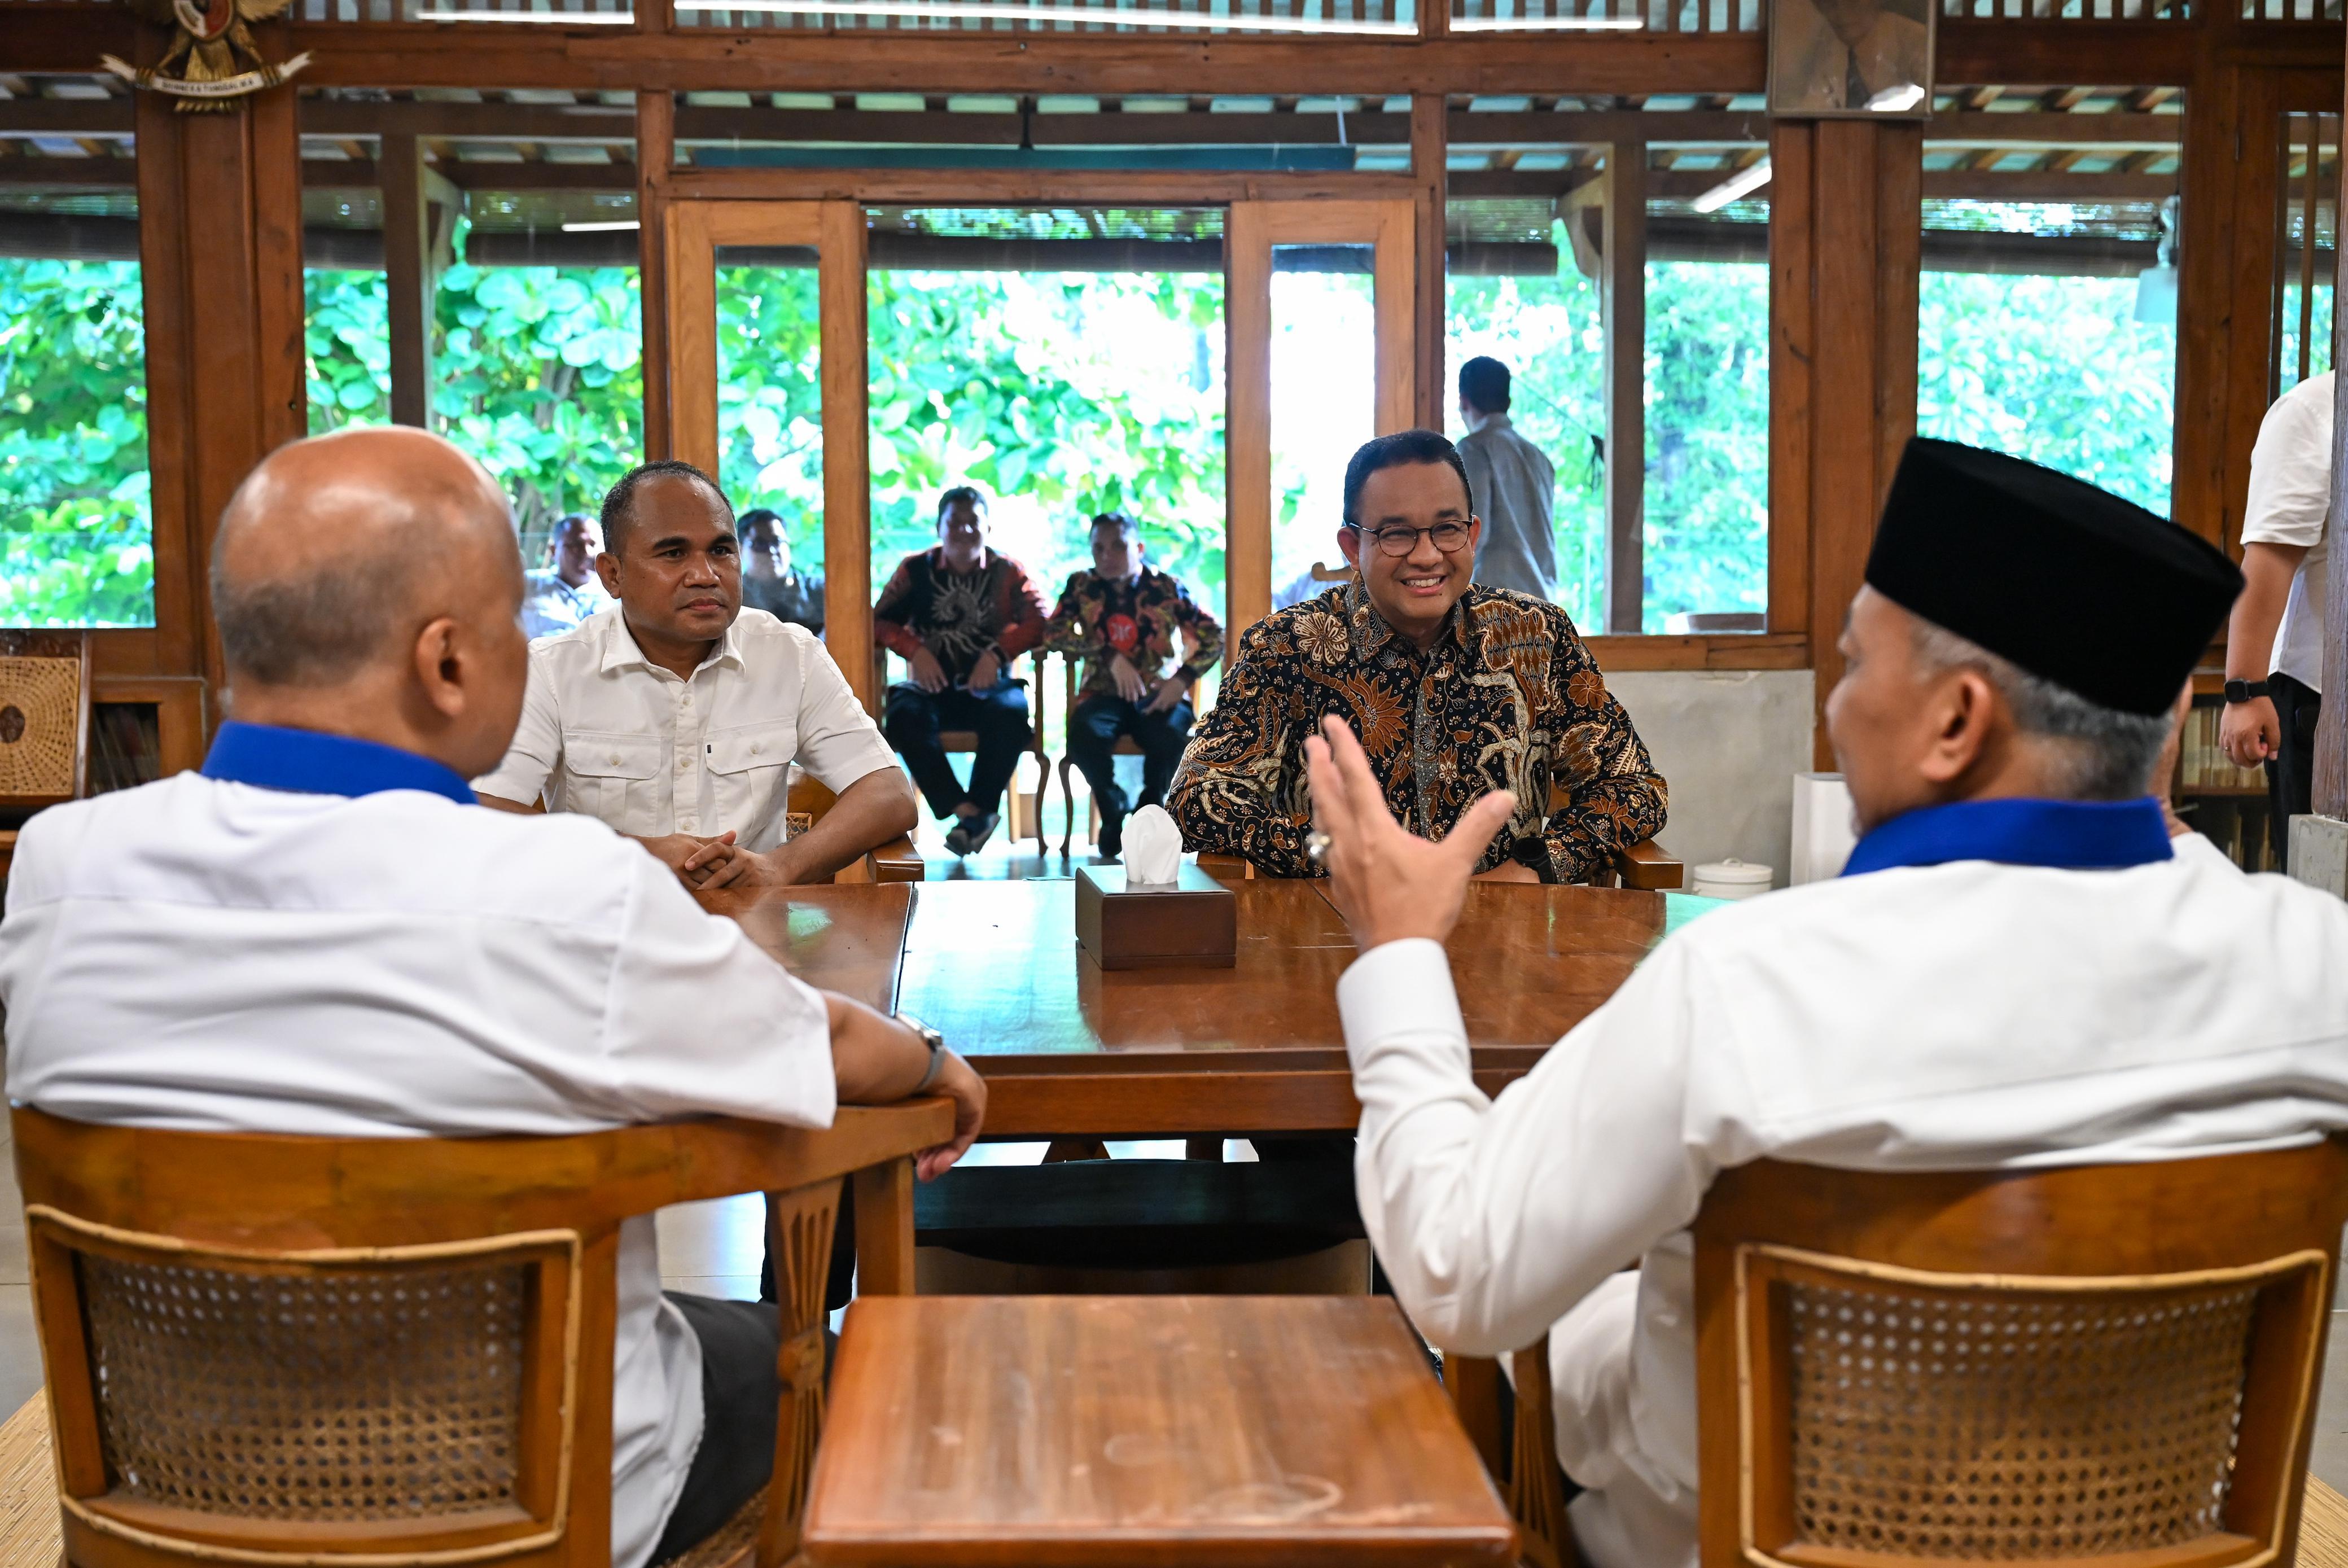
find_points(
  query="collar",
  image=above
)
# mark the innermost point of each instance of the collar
(937, 553)
(2068, 835)
(621, 652)
(1372, 632)
(312, 762)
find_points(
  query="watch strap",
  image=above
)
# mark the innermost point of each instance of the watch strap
(937, 1044)
(2244, 691)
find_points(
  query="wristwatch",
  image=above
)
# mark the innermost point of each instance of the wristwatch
(2243, 691)
(937, 1044)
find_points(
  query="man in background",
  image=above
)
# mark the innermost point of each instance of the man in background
(1513, 487)
(769, 582)
(2274, 642)
(959, 614)
(1128, 620)
(675, 715)
(566, 592)
(319, 935)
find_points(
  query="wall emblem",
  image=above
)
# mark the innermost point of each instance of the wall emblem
(214, 61)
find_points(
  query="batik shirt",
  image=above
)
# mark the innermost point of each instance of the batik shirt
(1144, 620)
(1508, 698)
(959, 615)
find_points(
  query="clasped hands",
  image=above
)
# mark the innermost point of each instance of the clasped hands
(704, 865)
(1389, 883)
(1134, 688)
(930, 676)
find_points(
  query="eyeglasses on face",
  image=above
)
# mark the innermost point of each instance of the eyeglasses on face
(1401, 542)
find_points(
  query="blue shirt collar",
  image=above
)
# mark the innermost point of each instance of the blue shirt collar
(2070, 835)
(311, 762)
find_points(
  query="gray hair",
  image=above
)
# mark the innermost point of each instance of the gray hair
(315, 629)
(2097, 753)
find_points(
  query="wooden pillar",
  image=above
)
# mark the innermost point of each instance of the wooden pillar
(409, 275)
(2330, 798)
(656, 148)
(1624, 287)
(2226, 255)
(1429, 151)
(1247, 418)
(220, 251)
(1846, 241)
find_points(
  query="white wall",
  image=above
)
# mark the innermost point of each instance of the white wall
(1728, 742)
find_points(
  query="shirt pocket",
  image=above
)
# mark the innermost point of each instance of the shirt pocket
(612, 779)
(751, 765)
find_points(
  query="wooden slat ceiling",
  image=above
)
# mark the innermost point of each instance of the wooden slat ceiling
(1991, 143)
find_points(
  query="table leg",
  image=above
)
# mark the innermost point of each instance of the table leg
(884, 1229)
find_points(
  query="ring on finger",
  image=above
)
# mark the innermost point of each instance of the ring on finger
(1316, 847)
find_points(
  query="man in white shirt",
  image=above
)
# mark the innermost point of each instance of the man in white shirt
(2015, 970)
(675, 715)
(317, 934)
(567, 592)
(2274, 643)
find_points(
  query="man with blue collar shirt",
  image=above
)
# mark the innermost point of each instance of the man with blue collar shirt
(320, 933)
(2014, 970)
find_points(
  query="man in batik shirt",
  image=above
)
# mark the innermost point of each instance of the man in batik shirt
(1129, 619)
(1455, 690)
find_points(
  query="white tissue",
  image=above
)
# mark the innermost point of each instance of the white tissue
(1153, 848)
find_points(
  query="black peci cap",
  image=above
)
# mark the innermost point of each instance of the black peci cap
(2069, 581)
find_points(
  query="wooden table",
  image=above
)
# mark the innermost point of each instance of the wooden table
(1070, 1050)
(1086, 1431)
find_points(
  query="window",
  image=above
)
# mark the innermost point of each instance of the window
(76, 546)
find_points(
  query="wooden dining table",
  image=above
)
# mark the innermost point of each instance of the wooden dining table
(1069, 1050)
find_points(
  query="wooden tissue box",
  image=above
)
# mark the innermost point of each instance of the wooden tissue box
(1193, 924)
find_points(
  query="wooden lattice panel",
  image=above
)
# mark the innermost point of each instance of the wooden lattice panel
(1998, 1427)
(358, 1396)
(40, 726)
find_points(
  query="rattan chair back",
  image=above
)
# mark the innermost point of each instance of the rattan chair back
(2111, 1365)
(278, 1350)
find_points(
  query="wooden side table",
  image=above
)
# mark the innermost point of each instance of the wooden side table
(1140, 1431)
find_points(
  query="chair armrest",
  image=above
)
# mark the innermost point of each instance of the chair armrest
(1647, 864)
(895, 861)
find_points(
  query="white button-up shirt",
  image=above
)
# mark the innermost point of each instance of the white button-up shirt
(550, 606)
(216, 956)
(2288, 503)
(1965, 1015)
(606, 733)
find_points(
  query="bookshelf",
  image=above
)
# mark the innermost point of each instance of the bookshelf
(2225, 803)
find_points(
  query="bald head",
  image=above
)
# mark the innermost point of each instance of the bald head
(335, 550)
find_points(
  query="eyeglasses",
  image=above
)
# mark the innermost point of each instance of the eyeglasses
(1401, 542)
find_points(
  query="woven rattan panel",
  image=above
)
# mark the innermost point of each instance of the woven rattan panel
(351, 1395)
(2001, 1427)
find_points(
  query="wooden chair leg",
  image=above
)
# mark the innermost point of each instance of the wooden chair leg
(1068, 805)
(1535, 1494)
(799, 1238)
(884, 1229)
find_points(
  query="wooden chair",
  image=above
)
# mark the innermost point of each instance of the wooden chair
(1125, 1431)
(267, 1349)
(1125, 747)
(2112, 1364)
(810, 797)
(1023, 814)
(45, 693)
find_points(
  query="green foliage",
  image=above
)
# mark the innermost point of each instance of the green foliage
(538, 372)
(2054, 369)
(76, 547)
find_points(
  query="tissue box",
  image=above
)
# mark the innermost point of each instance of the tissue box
(1194, 924)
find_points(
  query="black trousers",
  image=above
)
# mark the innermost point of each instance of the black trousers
(741, 1392)
(2291, 773)
(912, 719)
(1093, 728)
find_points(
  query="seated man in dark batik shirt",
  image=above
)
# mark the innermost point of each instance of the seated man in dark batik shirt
(1455, 689)
(1129, 619)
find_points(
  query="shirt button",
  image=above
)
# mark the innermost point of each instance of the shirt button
(756, 746)
(615, 759)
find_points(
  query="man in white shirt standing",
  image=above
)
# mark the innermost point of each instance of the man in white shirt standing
(567, 592)
(675, 715)
(317, 934)
(2015, 970)
(2274, 643)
